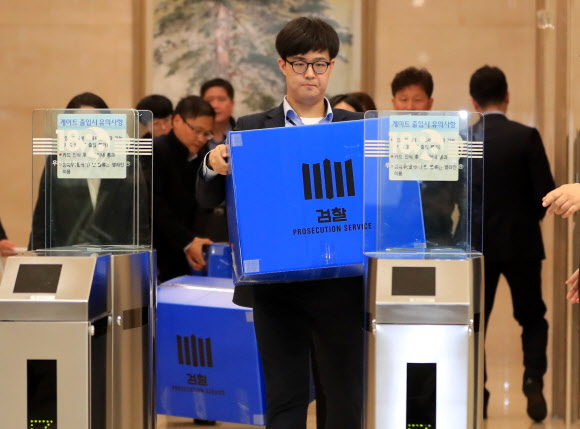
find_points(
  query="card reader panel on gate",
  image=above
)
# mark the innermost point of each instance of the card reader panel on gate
(413, 281)
(420, 281)
(52, 282)
(32, 278)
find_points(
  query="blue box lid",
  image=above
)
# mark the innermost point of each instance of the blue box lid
(198, 291)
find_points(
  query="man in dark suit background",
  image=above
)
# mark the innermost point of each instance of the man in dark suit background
(220, 94)
(412, 89)
(517, 177)
(177, 223)
(294, 320)
(162, 109)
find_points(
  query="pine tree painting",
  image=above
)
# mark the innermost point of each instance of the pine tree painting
(197, 40)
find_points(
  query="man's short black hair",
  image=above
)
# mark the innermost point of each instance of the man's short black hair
(302, 35)
(488, 85)
(222, 83)
(159, 105)
(87, 99)
(413, 76)
(192, 107)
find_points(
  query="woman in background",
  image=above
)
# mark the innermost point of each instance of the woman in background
(346, 102)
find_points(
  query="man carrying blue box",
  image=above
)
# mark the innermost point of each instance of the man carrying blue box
(322, 318)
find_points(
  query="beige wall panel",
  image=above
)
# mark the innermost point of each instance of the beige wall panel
(66, 12)
(455, 12)
(452, 39)
(51, 51)
(63, 61)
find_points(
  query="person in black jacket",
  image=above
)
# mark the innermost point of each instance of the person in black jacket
(517, 177)
(412, 89)
(162, 109)
(178, 233)
(322, 318)
(220, 94)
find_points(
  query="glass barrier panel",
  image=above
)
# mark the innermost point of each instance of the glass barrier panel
(423, 184)
(93, 170)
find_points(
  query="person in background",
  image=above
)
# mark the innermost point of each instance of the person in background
(518, 176)
(565, 201)
(412, 89)
(346, 102)
(365, 100)
(220, 94)
(178, 155)
(77, 211)
(162, 110)
(7, 247)
(319, 318)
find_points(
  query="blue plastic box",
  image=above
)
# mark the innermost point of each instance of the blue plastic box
(218, 259)
(295, 202)
(208, 366)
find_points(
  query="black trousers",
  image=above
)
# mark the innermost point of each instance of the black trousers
(525, 282)
(325, 318)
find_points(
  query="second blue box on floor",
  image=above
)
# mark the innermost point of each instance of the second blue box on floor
(207, 361)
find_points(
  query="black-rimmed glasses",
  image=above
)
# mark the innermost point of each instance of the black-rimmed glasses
(300, 67)
(205, 134)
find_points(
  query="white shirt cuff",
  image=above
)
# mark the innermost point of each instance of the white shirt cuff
(206, 172)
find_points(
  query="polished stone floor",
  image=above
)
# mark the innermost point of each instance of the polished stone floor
(507, 408)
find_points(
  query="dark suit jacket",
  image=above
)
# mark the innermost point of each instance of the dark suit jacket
(213, 220)
(177, 218)
(64, 214)
(212, 193)
(517, 176)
